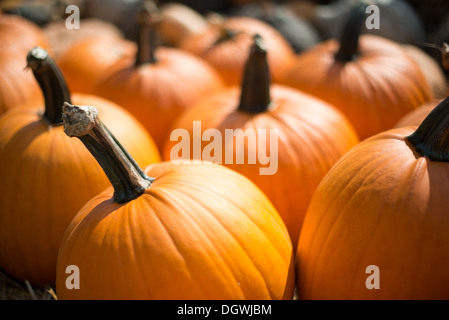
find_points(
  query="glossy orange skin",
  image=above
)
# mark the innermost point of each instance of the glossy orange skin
(17, 37)
(157, 93)
(46, 177)
(229, 57)
(192, 235)
(382, 204)
(415, 117)
(312, 136)
(374, 91)
(88, 60)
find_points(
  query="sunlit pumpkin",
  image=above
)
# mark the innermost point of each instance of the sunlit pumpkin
(372, 80)
(283, 140)
(226, 43)
(384, 204)
(175, 231)
(42, 169)
(158, 83)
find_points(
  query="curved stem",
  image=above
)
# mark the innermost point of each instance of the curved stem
(255, 91)
(349, 41)
(127, 178)
(146, 45)
(51, 81)
(431, 138)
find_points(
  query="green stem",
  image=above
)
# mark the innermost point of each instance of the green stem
(146, 45)
(51, 81)
(127, 178)
(349, 40)
(431, 138)
(255, 91)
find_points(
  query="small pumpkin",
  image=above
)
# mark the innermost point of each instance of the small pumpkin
(42, 169)
(383, 204)
(159, 82)
(175, 231)
(226, 43)
(372, 80)
(283, 140)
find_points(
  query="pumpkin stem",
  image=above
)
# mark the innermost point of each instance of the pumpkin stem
(431, 138)
(125, 175)
(255, 92)
(146, 46)
(51, 81)
(349, 40)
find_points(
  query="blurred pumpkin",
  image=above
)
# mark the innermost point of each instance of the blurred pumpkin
(225, 45)
(283, 140)
(372, 80)
(17, 37)
(158, 83)
(42, 169)
(175, 231)
(415, 117)
(383, 204)
(86, 61)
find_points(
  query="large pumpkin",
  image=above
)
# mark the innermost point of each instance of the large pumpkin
(187, 232)
(377, 226)
(283, 140)
(226, 43)
(42, 169)
(372, 80)
(159, 83)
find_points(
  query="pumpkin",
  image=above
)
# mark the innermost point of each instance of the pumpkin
(372, 80)
(383, 204)
(61, 38)
(431, 70)
(175, 231)
(415, 117)
(179, 21)
(42, 169)
(398, 21)
(17, 37)
(286, 140)
(226, 43)
(158, 82)
(300, 33)
(86, 61)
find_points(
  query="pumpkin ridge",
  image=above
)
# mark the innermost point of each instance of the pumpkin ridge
(204, 189)
(343, 208)
(167, 198)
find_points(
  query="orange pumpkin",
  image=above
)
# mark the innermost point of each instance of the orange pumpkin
(42, 169)
(159, 83)
(86, 61)
(226, 43)
(415, 117)
(282, 139)
(381, 212)
(186, 232)
(17, 37)
(372, 80)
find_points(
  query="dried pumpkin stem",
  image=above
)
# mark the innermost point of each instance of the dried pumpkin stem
(431, 138)
(255, 91)
(349, 40)
(125, 175)
(51, 81)
(146, 46)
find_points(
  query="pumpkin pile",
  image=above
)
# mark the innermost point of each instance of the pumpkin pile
(241, 150)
